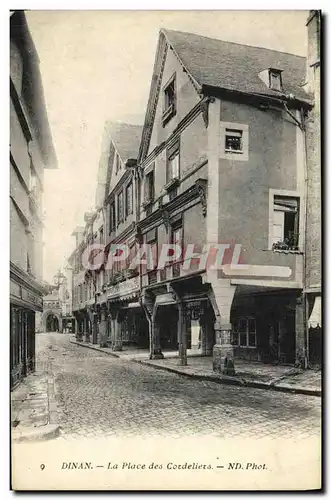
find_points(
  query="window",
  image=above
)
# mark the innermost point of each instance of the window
(275, 79)
(151, 240)
(234, 140)
(176, 236)
(120, 208)
(112, 217)
(285, 229)
(128, 199)
(173, 162)
(117, 162)
(244, 332)
(173, 166)
(149, 187)
(169, 108)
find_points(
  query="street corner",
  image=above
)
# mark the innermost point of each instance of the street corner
(44, 433)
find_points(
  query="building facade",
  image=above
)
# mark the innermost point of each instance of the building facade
(31, 150)
(313, 268)
(224, 143)
(222, 168)
(106, 297)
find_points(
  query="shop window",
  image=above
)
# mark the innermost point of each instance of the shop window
(285, 228)
(244, 332)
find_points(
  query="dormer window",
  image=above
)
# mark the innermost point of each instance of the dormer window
(275, 79)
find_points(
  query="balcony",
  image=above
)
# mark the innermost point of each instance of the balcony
(124, 288)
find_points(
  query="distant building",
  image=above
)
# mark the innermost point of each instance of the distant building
(31, 150)
(106, 301)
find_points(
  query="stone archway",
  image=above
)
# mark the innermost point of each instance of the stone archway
(51, 321)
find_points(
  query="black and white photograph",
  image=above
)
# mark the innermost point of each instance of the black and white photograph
(165, 250)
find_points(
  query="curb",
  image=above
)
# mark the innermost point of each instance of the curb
(49, 431)
(95, 348)
(226, 380)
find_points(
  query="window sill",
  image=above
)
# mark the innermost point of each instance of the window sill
(233, 151)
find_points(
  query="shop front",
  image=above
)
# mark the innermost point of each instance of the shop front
(25, 301)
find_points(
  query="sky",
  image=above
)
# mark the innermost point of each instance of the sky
(97, 66)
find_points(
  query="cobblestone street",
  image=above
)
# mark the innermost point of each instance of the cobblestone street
(100, 395)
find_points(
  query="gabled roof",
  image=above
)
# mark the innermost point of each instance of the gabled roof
(126, 139)
(233, 66)
(216, 64)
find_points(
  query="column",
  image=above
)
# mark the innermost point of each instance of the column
(300, 334)
(103, 329)
(221, 299)
(155, 347)
(181, 334)
(94, 324)
(223, 357)
(86, 328)
(117, 333)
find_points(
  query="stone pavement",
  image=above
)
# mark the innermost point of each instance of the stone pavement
(33, 407)
(101, 396)
(249, 374)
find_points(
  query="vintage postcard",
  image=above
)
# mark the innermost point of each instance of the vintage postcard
(165, 258)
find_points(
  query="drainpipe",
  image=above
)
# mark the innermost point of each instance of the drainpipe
(301, 125)
(305, 298)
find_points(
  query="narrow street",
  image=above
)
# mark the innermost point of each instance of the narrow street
(99, 395)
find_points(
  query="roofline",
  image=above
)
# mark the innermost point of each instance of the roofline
(210, 90)
(236, 43)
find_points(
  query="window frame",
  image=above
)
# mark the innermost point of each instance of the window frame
(127, 212)
(229, 154)
(149, 194)
(232, 133)
(275, 73)
(169, 109)
(120, 213)
(173, 151)
(236, 333)
(284, 193)
(112, 216)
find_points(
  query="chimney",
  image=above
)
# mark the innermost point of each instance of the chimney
(313, 57)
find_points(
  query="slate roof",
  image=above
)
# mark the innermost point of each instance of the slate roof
(236, 67)
(125, 137)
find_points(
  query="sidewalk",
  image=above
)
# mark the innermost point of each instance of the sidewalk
(248, 374)
(34, 409)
